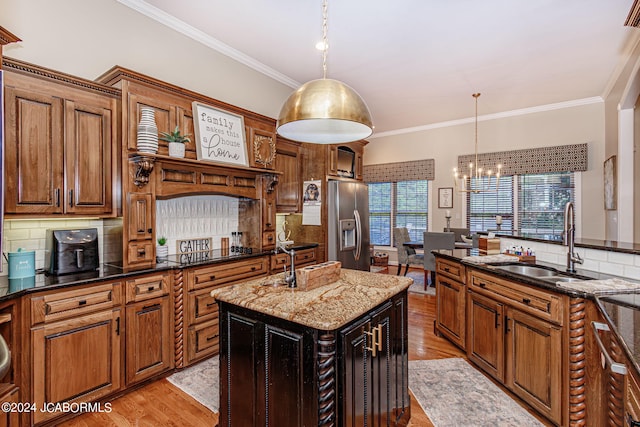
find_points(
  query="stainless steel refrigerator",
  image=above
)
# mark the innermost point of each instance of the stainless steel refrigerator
(348, 204)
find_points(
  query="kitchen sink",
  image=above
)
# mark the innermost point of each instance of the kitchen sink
(528, 270)
(555, 279)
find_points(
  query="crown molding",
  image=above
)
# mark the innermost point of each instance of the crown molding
(205, 39)
(494, 116)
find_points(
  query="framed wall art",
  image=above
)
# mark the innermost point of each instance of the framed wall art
(445, 197)
(610, 188)
(219, 135)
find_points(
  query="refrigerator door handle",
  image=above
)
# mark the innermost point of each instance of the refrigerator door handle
(356, 214)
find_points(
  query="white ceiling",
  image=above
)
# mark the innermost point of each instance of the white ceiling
(417, 62)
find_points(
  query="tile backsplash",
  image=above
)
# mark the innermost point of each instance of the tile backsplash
(196, 216)
(30, 234)
(608, 262)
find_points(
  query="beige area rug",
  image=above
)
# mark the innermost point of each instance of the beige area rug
(418, 283)
(453, 393)
(200, 381)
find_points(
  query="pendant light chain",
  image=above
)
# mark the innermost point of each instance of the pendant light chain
(325, 43)
(476, 95)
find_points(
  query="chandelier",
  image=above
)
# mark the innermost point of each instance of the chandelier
(324, 111)
(476, 173)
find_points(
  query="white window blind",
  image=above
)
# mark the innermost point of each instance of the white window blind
(482, 208)
(397, 204)
(541, 202)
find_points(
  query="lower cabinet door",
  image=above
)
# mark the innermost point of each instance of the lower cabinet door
(149, 339)
(534, 362)
(485, 334)
(450, 308)
(370, 370)
(76, 359)
(10, 418)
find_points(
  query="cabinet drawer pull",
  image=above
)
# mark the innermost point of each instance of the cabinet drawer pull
(212, 277)
(270, 238)
(71, 198)
(618, 368)
(141, 252)
(482, 284)
(526, 301)
(253, 268)
(211, 338)
(446, 269)
(82, 302)
(211, 304)
(149, 230)
(151, 288)
(57, 196)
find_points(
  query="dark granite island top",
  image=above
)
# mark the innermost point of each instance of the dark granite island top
(324, 356)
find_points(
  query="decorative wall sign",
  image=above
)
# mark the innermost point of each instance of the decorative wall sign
(219, 135)
(445, 197)
(610, 198)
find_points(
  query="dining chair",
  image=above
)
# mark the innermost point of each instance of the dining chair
(406, 255)
(458, 232)
(435, 240)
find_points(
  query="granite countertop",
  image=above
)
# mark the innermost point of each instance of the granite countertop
(459, 255)
(327, 307)
(623, 315)
(604, 245)
(13, 288)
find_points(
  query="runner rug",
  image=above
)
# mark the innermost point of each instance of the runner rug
(200, 381)
(453, 393)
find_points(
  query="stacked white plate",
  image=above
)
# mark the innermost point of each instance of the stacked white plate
(147, 141)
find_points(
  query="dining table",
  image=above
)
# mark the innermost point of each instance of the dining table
(420, 245)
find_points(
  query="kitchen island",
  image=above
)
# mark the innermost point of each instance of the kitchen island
(333, 355)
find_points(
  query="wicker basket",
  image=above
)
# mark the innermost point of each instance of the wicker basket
(381, 259)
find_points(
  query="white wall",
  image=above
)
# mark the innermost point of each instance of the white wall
(574, 125)
(86, 38)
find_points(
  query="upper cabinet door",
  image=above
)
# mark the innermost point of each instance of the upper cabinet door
(34, 151)
(289, 187)
(88, 145)
(165, 116)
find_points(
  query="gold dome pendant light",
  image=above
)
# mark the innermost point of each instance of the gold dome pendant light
(325, 111)
(476, 172)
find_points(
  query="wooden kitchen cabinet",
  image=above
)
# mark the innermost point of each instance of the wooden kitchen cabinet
(485, 334)
(534, 362)
(64, 134)
(514, 333)
(302, 258)
(372, 370)
(289, 189)
(149, 340)
(201, 324)
(451, 301)
(75, 345)
(10, 395)
(273, 368)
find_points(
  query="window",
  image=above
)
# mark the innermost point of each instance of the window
(482, 208)
(397, 204)
(532, 204)
(541, 201)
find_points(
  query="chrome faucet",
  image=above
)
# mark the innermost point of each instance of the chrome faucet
(568, 237)
(290, 277)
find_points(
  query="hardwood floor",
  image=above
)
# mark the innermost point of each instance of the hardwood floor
(163, 404)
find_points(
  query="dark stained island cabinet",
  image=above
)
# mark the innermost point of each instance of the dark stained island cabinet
(333, 355)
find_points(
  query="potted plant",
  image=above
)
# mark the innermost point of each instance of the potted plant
(162, 250)
(176, 142)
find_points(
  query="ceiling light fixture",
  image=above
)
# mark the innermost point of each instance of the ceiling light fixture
(476, 173)
(325, 111)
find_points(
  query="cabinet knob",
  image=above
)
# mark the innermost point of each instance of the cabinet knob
(149, 230)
